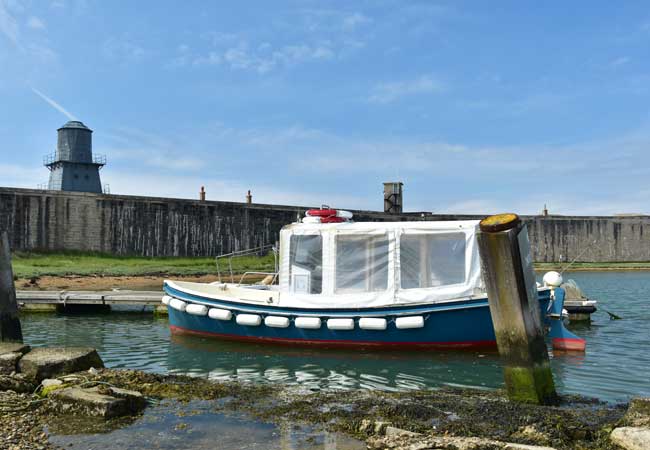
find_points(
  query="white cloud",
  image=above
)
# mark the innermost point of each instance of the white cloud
(8, 24)
(123, 49)
(35, 23)
(354, 20)
(619, 61)
(136, 146)
(54, 104)
(392, 91)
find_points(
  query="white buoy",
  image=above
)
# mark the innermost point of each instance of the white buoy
(552, 279)
(166, 299)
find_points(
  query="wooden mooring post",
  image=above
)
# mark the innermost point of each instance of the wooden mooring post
(507, 268)
(10, 330)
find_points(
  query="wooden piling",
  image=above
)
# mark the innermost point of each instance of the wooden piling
(514, 306)
(10, 330)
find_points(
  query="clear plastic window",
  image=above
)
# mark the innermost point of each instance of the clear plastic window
(306, 264)
(361, 263)
(431, 260)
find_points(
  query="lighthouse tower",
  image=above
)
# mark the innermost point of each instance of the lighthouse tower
(73, 167)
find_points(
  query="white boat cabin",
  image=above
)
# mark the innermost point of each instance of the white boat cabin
(372, 264)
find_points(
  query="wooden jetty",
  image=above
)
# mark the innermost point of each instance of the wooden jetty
(57, 300)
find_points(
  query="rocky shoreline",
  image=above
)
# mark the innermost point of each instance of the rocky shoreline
(32, 405)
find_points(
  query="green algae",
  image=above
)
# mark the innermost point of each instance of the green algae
(574, 423)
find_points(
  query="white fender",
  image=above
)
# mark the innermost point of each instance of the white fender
(310, 323)
(276, 321)
(340, 324)
(219, 314)
(196, 310)
(372, 323)
(166, 299)
(252, 320)
(404, 323)
(177, 304)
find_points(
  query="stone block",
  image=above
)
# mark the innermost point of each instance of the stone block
(13, 347)
(51, 362)
(16, 383)
(631, 438)
(98, 401)
(9, 362)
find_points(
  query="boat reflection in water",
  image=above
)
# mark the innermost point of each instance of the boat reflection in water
(331, 369)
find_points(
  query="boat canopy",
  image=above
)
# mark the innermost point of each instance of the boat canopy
(374, 264)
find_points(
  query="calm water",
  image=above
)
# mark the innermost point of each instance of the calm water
(615, 366)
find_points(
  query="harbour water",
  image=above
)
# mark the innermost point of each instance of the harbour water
(614, 368)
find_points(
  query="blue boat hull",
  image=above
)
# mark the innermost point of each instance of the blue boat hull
(454, 325)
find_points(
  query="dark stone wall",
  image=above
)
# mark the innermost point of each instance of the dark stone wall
(130, 225)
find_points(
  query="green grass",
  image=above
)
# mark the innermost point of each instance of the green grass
(27, 265)
(594, 266)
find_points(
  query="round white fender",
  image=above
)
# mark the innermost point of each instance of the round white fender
(196, 310)
(177, 304)
(252, 320)
(372, 323)
(310, 323)
(340, 324)
(166, 299)
(276, 321)
(404, 323)
(219, 314)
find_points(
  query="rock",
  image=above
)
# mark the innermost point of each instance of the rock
(9, 362)
(49, 362)
(638, 413)
(16, 383)
(96, 402)
(380, 427)
(631, 438)
(13, 347)
(510, 446)
(393, 431)
(419, 442)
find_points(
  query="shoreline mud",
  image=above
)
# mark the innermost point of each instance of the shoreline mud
(381, 419)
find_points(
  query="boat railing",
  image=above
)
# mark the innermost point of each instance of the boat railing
(251, 251)
(266, 274)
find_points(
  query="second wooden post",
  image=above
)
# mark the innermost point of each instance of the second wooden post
(507, 268)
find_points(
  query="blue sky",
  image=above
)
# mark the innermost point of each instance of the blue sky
(477, 107)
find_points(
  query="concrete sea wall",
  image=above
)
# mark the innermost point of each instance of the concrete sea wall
(149, 226)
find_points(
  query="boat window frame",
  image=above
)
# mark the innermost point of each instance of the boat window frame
(390, 268)
(323, 253)
(421, 232)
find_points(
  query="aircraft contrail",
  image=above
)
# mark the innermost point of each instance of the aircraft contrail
(54, 104)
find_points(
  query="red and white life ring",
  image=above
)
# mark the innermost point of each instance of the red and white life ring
(327, 216)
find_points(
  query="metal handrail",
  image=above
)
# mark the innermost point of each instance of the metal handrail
(55, 157)
(244, 253)
(275, 276)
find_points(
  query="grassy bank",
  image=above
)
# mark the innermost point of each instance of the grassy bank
(582, 266)
(28, 265)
